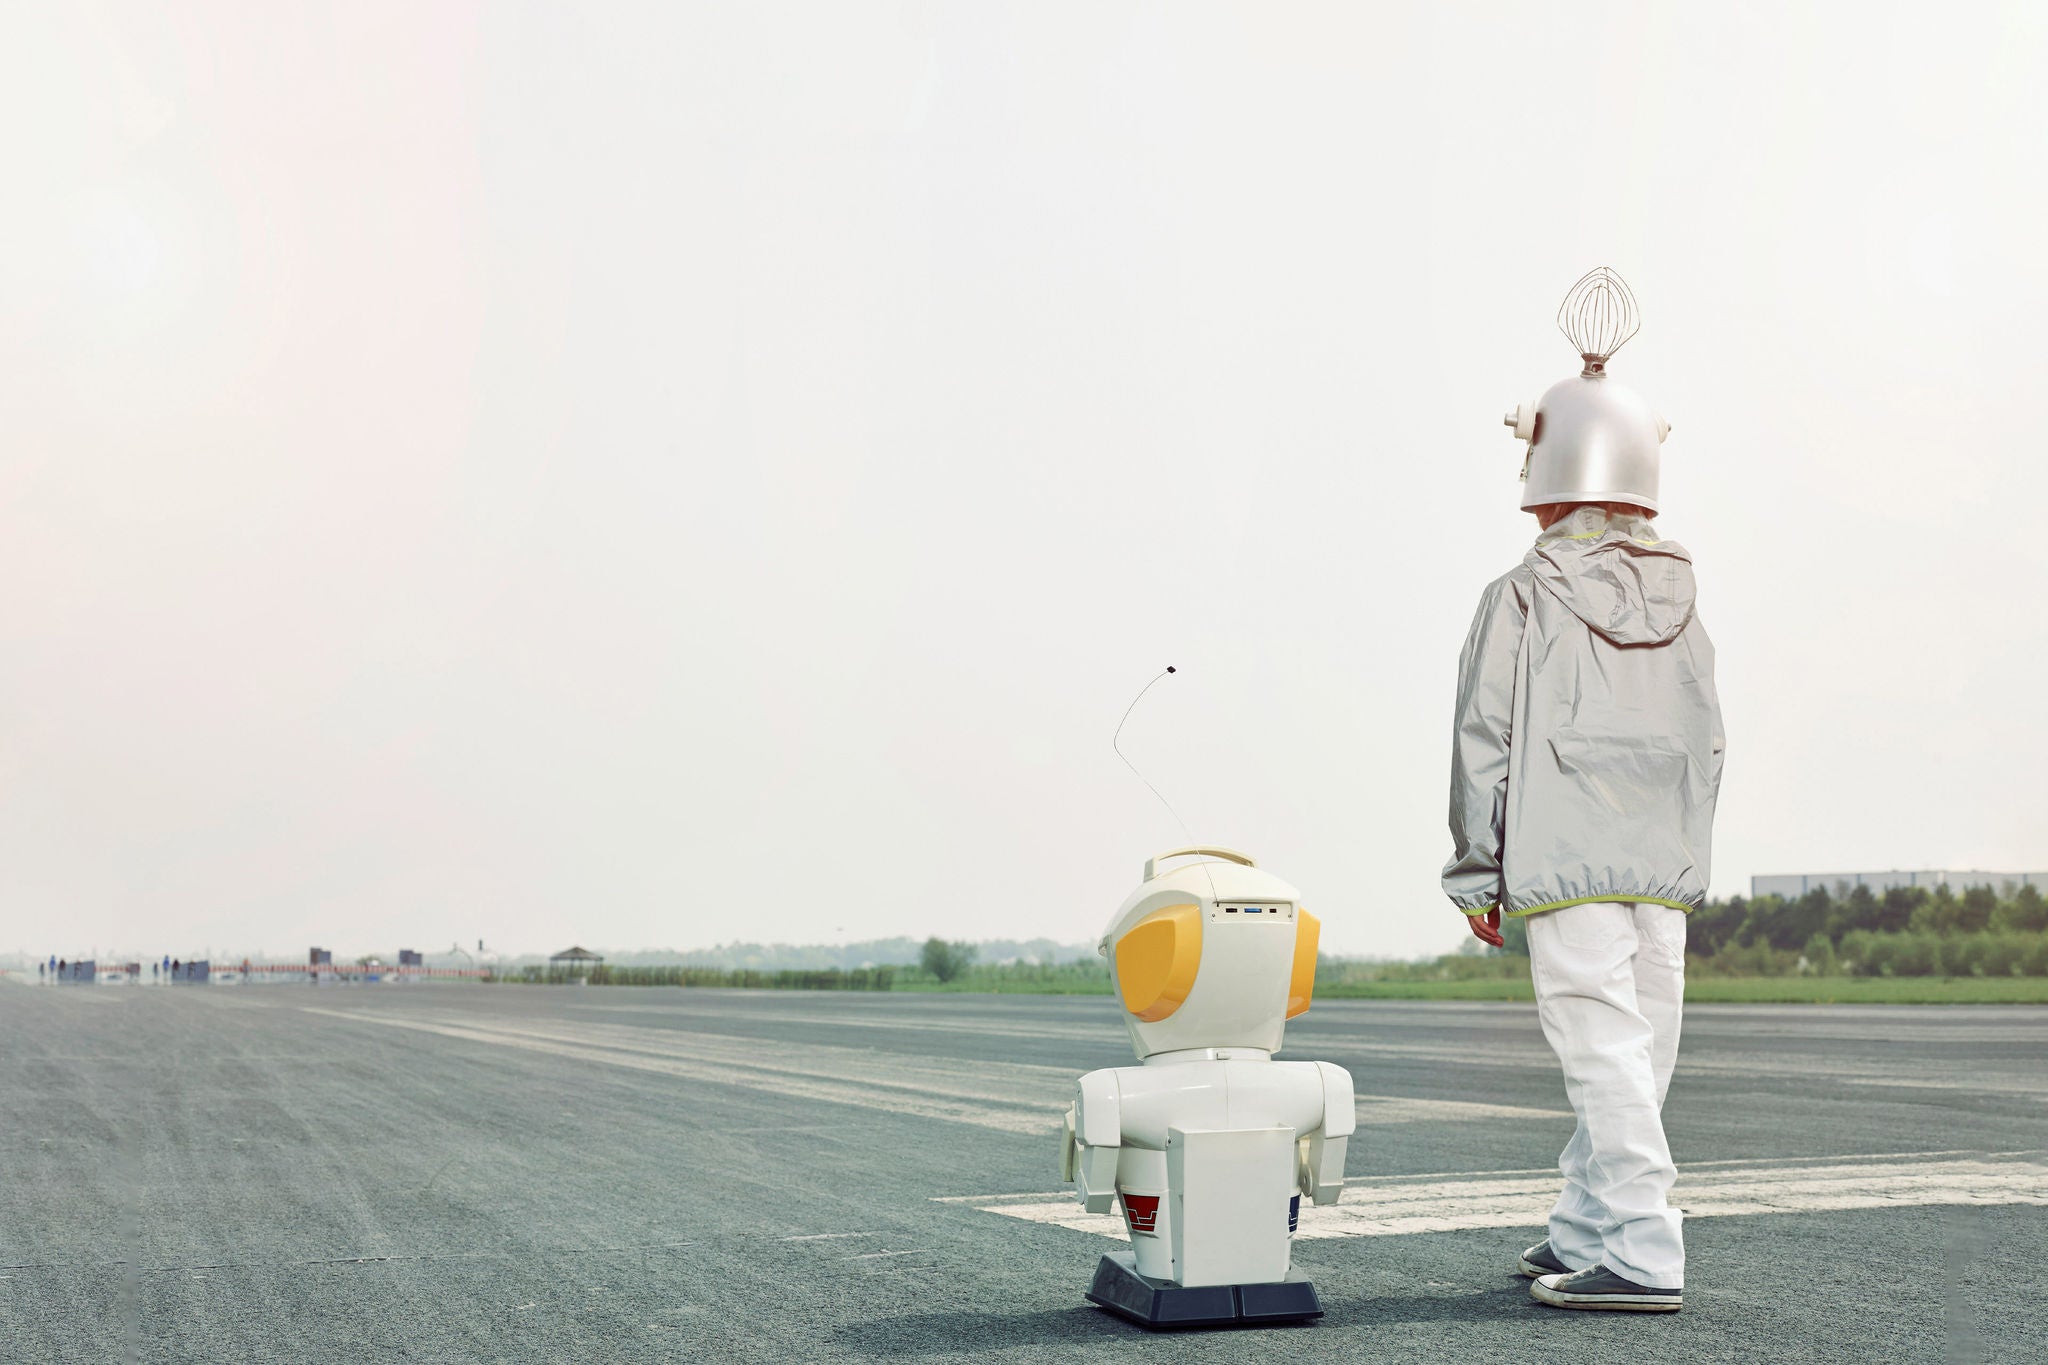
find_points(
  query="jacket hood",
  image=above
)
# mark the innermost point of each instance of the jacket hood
(1615, 575)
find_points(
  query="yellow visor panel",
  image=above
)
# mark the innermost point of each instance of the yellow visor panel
(1156, 961)
(1308, 932)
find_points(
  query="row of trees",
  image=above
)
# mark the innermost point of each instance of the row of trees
(1789, 925)
(821, 979)
(940, 961)
(1853, 931)
(939, 958)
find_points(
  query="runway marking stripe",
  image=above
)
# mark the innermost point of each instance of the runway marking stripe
(1523, 1199)
(879, 1255)
(864, 1094)
(1010, 1097)
(1390, 1109)
(1089, 1031)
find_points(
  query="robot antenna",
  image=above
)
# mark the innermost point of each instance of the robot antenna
(1113, 743)
(1598, 317)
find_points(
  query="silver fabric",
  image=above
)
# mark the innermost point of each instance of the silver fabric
(1586, 754)
(1595, 441)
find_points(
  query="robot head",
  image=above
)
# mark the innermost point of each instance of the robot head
(1591, 439)
(1211, 954)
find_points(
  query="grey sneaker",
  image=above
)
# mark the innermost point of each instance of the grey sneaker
(1602, 1288)
(1541, 1260)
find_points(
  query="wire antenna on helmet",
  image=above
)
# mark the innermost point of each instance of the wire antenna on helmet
(1190, 834)
(1598, 317)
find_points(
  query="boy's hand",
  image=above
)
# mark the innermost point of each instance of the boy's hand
(1486, 927)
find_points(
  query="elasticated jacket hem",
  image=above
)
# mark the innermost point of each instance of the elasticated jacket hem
(1686, 906)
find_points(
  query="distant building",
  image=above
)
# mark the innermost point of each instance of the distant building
(1793, 887)
(573, 964)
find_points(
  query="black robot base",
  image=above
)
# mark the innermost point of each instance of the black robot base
(1163, 1306)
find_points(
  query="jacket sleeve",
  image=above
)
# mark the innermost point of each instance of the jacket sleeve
(1481, 736)
(1718, 735)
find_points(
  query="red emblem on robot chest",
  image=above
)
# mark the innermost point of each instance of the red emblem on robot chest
(1141, 1211)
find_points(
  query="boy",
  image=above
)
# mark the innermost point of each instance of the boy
(1586, 762)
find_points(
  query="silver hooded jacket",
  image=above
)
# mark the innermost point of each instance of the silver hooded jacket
(1587, 752)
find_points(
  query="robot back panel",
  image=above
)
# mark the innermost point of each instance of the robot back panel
(1211, 955)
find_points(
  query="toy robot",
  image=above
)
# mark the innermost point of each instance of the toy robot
(1210, 1144)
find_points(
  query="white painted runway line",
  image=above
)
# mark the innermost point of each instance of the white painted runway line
(1090, 1030)
(1903, 1065)
(1010, 1097)
(1519, 1199)
(1386, 1109)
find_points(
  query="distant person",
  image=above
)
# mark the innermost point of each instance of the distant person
(39, 974)
(174, 969)
(1586, 761)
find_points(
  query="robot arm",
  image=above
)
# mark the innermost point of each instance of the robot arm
(1321, 1171)
(1091, 1139)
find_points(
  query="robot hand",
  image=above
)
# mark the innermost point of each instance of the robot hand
(1319, 1167)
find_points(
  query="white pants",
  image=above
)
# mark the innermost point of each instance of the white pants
(1610, 982)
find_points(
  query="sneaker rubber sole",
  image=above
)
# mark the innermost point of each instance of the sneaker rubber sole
(1648, 1302)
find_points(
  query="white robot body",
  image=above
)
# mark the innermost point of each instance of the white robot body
(1209, 1160)
(1210, 1144)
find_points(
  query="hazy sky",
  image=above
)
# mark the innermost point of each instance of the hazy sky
(654, 475)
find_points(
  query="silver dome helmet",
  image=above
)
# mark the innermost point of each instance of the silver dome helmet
(1590, 438)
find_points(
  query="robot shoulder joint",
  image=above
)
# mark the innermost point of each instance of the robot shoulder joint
(1098, 1109)
(1340, 1108)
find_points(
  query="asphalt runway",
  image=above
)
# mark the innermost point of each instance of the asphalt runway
(486, 1173)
